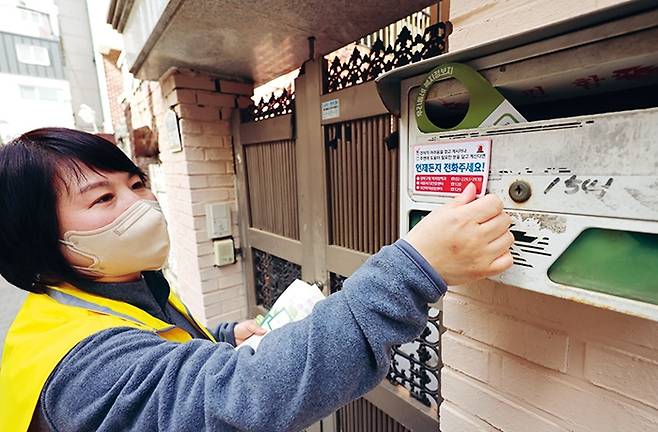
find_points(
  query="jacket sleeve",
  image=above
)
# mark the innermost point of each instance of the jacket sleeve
(127, 379)
(225, 332)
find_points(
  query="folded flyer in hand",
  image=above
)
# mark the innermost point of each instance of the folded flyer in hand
(294, 304)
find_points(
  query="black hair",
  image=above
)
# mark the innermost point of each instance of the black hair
(32, 167)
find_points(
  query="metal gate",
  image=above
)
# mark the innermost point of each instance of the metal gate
(321, 195)
(268, 197)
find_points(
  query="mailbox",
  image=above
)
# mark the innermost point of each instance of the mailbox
(562, 125)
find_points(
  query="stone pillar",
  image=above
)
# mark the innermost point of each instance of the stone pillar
(202, 172)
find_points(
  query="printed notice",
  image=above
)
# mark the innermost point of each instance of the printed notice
(446, 168)
(330, 109)
(294, 304)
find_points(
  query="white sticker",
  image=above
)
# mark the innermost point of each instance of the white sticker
(446, 168)
(173, 131)
(330, 109)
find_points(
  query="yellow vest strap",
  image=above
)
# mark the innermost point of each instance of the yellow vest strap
(69, 300)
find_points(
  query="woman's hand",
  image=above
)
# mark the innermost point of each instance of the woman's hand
(246, 329)
(467, 239)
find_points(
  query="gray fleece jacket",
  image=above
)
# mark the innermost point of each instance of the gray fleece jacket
(124, 379)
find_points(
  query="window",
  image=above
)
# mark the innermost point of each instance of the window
(47, 94)
(28, 92)
(37, 20)
(33, 54)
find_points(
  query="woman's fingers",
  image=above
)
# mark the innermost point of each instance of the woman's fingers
(485, 208)
(245, 329)
(256, 329)
(500, 264)
(499, 250)
(501, 245)
(494, 228)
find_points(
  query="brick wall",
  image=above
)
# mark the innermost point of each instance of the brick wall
(114, 81)
(519, 361)
(143, 116)
(199, 174)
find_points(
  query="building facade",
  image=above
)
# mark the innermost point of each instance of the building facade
(47, 72)
(79, 64)
(32, 77)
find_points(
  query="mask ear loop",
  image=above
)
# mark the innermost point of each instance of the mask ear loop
(70, 246)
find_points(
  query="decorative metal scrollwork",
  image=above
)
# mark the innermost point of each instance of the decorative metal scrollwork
(415, 365)
(273, 275)
(363, 67)
(271, 107)
(336, 282)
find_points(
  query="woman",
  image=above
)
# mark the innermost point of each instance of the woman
(102, 344)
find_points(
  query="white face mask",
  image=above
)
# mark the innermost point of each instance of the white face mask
(135, 241)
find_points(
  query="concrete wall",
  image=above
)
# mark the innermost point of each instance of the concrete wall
(479, 21)
(19, 114)
(189, 179)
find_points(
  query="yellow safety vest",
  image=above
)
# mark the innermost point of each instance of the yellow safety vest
(48, 326)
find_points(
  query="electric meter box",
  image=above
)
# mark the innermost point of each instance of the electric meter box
(582, 190)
